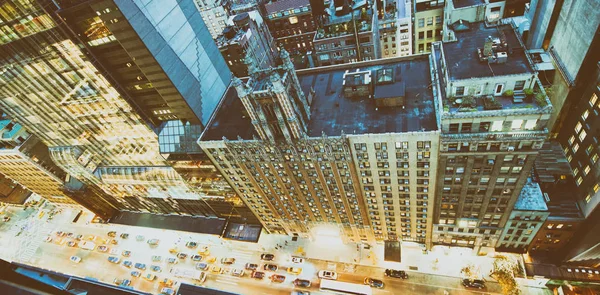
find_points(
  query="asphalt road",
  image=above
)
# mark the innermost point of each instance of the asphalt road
(54, 256)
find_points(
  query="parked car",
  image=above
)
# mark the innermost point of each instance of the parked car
(167, 291)
(477, 284)
(258, 275)
(140, 266)
(150, 277)
(112, 234)
(277, 278)
(72, 244)
(203, 250)
(113, 242)
(136, 274)
(172, 260)
(392, 273)
(127, 263)
(124, 236)
(181, 255)
(237, 272)
(167, 282)
(327, 274)
(174, 250)
(75, 259)
(156, 258)
(375, 283)
(300, 292)
(114, 259)
(227, 260)
(48, 239)
(251, 266)
(294, 270)
(297, 260)
(126, 283)
(126, 253)
(6, 218)
(302, 283)
(153, 242)
(270, 267)
(202, 266)
(196, 257)
(210, 259)
(102, 248)
(267, 257)
(191, 245)
(118, 282)
(139, 238)
(215, 269)
(79, 237)
(155, 268)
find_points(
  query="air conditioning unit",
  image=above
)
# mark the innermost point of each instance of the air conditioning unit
(490, 162)
(511, 148)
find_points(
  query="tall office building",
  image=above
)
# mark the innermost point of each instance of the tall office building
(428, 20)
(310, 155)
(215, 14)
(493, 123)
(93, 79)
(395, 28)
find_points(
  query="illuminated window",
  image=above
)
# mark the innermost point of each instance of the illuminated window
(589, 149)
(571, 139)
(579, 180)
(569, 158)
(586, 170)
(594, 158)
(593, 99)
(516, 124)
(575, 171)
(559, 226)
(582, 135)
(578, 127)
(585, 115)
(575, 147)
(293, 20)
(596, 187)
(550, 226)
(588, 198)
(497, 126)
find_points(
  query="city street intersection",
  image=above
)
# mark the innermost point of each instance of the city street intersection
(23, 240)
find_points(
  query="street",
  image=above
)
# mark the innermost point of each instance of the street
(23, 240)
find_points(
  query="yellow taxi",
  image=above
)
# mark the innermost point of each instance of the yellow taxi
(215, 269)
(294, 270)
(210, 259)
(174, 250)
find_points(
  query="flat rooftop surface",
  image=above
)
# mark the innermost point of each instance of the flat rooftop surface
(462, 59)
(466, 3)
(333, 113)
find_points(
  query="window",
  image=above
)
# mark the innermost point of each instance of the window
(421, 22)
(438, 20)
(571, 139)
(586, 170)
(516, 124)
(421, 35)
(429, 34)
(460, 91)
(497, 126)
(578, 127)
(530, 124)
(579, 180)
(430, 21)
(582, 135)
(593, 99)
(519, 85)
(421, 47)
(588, 198)
(585, 115)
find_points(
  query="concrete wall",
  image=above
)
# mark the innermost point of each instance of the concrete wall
(539, 13)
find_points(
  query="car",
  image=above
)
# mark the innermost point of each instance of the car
(79, 237)
(267, 257)
(294, 270)
(136, 274)
(140, 266)
(302, 283)
(300, 292)
(139, 238)
(271, 267)
(174, 250)
(477, 284)
(127, 263)
(327, 274)
(114, 259)
(258, 275)
(399, 274)
(114, 251)
(210, 259)
(118, 282)
(126, 283)
(277, 278)
(126, 253)
(228, 260)
(155, 268)
(251, 266)
(102, 248)
(113, 242)
(375, 283)
(203, 250)
(72, 244)
(167, 282)
(48, 239)
(124, 236)
(191, 245)
(215, 269)
(196, 257)
(172, 260)
(156, 258)
(75, 259)
(6, 218)
(167, 291)
(150, 277)
(70, 235)
(202, 266)
(181, 255)
(297, 260)
(153, 242)
(237, 272)
(112, 234)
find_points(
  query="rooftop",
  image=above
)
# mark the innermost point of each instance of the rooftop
(274, 7)
(466, 3)
(463, 61)
(531, 198)
(332, 113)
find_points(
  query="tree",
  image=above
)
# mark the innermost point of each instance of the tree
(503, 273)
(469, 272)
